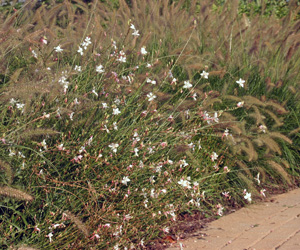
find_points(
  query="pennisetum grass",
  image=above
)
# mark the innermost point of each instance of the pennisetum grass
(119, 117)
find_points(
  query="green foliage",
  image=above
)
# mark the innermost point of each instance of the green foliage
(114, 144)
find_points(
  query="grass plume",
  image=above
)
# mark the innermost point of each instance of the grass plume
(15, 194)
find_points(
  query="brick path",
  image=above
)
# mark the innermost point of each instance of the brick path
(264, 226)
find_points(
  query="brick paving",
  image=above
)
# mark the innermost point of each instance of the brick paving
(264, 226)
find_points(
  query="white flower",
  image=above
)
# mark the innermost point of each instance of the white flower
(132, 27)
(181, 246)
(170, 162)
(58, 49)
(106, 129)
(114, 44)
(76, 102)
(240, 104)
(136, 136)
(204, 74)
(125, 180)
(94, 92)
(248, 197)
(34, 54)
(257, 178)
(127, 217)
(143, 51)
(151, 97)
(122, 59)
(194, 96)
(199, 144)
(142, 242)
(226, 132)
(135, 33)
(46, 115)
(136, 150)
(61, 147)
(192, 146)
(150, 150)
(61, 225)
(241, 82)
(80, 50)
(86, 42)
(44, 40)
(263, 128)
(20, 106)
(12, 101)
(44, 144)
(115, 126)
(50, 235)
(215, 118)
(116, 111)
(21, 154)
(104, 105)
(77, 68)
(164, 191)
(262, 192)
(114, 147)
(214, 156)
(117, 101)
(185, 183)
(183, 163)
(187, 85)
(95, 236)
(220, 210)
(99, 69)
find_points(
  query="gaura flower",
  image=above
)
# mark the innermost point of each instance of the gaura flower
(226, 133)
(125, 180)
(135, 33)
(187, 85)
(248, 197)
(132, 27)
(240, 104)
(100, 69)
(50, 235)
(185, 183)
(241, 82)
(80, 50)
(263, 128)
(214, 156)
(20, 106)
(114, 147)
(262, 192)
(204, 74)
(77, 68)
(58, 49)
(116, 111)
(151, 96)
(136, 150)
(143, 51)
(220, 210)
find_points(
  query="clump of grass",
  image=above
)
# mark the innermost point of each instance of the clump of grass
(129, 117)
